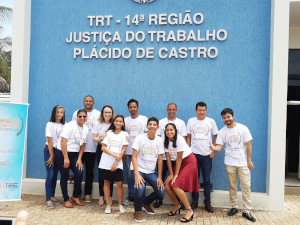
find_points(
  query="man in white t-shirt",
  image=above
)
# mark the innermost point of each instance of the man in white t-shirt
(135, 124)
(238, 150)
(181, 130)
(89, 155)
(147, 152)
(200, 130)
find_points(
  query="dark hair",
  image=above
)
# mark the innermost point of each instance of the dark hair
(227, 110)
(89, 96)
(172, 103)
(167, 139)
(101, 118)
(131, 101)
(152, 119)
(112, 126)
(81, 110)
(54, 112)
(201, 104)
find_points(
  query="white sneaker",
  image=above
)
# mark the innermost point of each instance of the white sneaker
(122, 209)
(108, 209)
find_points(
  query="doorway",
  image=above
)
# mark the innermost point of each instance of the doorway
(292, 169)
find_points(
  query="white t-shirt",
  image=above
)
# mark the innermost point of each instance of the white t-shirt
(53, 130)
(114, 143)
(234, 140)
(201, 132)
(180, 126)
(134, 127)
(75, 135)
(92, 118)
(100, 129)
(148, 151)
(181, 146)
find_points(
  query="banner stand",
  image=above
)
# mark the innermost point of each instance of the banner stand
(13, 129)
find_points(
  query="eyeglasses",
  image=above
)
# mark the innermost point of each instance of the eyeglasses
(81, 116)
(108, 112)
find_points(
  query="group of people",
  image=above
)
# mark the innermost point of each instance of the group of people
(149, 149)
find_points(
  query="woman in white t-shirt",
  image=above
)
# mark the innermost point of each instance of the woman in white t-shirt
(53, 130)
(111, 165)
(99, 133)
(71, 146)
(184, 175)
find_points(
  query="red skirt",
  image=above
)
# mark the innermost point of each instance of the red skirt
(188, 179)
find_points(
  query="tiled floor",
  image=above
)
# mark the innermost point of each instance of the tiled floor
(94, 214)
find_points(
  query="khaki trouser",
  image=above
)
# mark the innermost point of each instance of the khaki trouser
(244, 174)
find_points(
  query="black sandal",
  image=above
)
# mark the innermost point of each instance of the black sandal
(176, 212)
(186, 220)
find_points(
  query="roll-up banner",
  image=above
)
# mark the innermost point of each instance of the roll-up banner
(13, 123)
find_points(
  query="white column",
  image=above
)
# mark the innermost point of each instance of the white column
(20, 51)
(277, 103)
(21, 57)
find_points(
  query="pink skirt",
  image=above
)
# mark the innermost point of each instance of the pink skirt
(188, 179)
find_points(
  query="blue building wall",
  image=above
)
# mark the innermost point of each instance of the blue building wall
(238, 77)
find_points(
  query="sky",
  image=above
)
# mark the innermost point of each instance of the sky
(8, 25)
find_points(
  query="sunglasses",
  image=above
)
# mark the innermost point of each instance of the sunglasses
(82, 116)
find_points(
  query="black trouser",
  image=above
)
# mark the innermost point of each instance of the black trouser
(88, 159)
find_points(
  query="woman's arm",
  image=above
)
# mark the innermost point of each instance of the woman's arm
(96, 138)
(107, 151)
(65, 152)
(50, 161)
(169, 164)
(122, 153)
(79, 160)
(177, 166)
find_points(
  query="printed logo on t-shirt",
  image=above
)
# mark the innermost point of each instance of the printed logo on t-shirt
(233, 141)
(134, 127)
(149, 150)
(134, 130)
(80, 136)
(58, 131)
(201, 133)
(149, 154)
(201, 130)
(115, 144)
(90, 123)
(173, 153)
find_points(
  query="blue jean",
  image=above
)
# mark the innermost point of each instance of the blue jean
(64, 172)
(100, 180)
(130, 177)
(51, 178)
(139, 194)
(204, 164)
